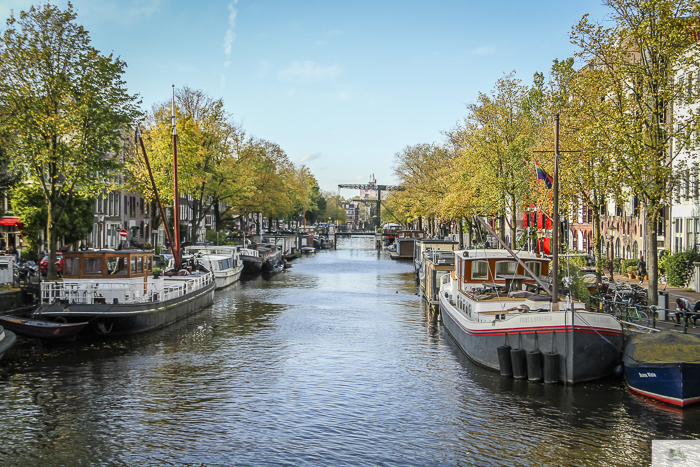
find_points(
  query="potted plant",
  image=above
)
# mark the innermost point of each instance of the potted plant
(631, 272)
(156, 272)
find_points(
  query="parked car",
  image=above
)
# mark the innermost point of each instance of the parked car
(44, 264)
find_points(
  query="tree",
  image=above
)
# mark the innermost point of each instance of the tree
(207, 143)
(66, 106)
(28, 204)
(636, 60)
(494, 145)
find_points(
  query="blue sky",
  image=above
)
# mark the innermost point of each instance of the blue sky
(341, 86)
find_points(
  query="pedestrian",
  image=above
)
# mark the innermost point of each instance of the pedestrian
(683, 308)
(641, 269)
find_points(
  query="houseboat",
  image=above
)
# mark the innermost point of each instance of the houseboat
(286, 243)
(436, 263)
(404, 242)
(306, 239)
(420, 247)
(262, 257)
(488, 304)
(117, 293)
(224, 261)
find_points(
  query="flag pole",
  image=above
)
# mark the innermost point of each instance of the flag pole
(555, 219)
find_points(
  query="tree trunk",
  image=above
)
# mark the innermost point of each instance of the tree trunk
(461, 233)
(51, 273)
(598, 245)
(651, 218)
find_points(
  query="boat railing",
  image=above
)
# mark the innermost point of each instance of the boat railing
(69, 292)
(171, 291)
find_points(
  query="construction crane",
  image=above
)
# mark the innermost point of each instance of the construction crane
(372, 185)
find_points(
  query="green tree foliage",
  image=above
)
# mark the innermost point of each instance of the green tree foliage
(66, 106)
(28, 204)
(637, 55)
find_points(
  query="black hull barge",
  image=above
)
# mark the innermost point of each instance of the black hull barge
(116, 293)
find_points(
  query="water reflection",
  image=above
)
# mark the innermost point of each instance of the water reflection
(334, 361)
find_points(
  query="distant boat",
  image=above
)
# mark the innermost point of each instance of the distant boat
(664, 366)
(115, 291)
(224, 261)
(7, 340)
(41, 329)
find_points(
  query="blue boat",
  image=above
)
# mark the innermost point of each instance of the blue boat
(664, 366)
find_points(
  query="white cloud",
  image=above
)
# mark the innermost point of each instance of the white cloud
(309, 157)
(230, 35)
(308, 70)
(486, 50)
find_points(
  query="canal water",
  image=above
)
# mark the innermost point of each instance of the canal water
(332, 362)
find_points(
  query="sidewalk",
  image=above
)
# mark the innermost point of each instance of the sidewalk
(672, 291)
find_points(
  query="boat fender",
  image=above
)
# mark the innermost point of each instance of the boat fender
(551, 368)
(619, 370)
(504, 360)
(182, 272)
(534, 365)
(517, 357)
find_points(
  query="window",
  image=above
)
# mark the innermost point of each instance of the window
(535, 266)
(506, 268)
(133, 264)
(480, 269)
(139, 264)
(71, 266)
(93, 265)
(116, 265)
(149, 263)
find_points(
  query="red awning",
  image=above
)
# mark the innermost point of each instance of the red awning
(12, 221)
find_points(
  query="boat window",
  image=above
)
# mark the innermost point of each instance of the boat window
(71, 266)
(93, 265)
(221, 265)
(149, 263)
(535, 266)
(504, 268)
(116, 265)
(139, 264)
(480, 269)
(133, 264)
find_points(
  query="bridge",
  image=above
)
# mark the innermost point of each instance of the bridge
(350, 233)
(378, 188)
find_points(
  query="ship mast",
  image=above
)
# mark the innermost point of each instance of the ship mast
(555, 219)
(176, 194)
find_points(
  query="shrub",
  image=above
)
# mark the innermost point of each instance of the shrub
(679, 267)
(159, 248)
(663, 259)
(629, 263)
(617, 265)
(28, 254)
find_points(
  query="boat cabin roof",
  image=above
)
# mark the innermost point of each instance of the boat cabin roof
(107, 264)
(410, 234)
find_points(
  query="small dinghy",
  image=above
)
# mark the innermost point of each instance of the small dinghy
(39, 328)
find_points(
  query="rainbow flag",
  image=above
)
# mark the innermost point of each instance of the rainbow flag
(542, 175)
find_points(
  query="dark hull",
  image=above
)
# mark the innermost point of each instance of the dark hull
(41, 329)
(583, 354)
(126, 319)
(7, 342)
(672, 383)
(251, 264)
(664, 366)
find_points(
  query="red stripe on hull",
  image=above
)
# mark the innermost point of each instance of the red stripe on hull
(668, 400)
